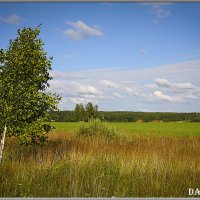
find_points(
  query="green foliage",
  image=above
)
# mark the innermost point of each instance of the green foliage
(86, 113)
(24, 76)
(79, 112)
(95, 127)
(61, 116)
(127, 116)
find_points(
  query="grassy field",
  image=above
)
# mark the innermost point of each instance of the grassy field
(150, 128)
(139, 164)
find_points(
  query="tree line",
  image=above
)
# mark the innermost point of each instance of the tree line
(84, 113)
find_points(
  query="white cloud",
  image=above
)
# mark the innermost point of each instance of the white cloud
(115, 94)
(162, 82)
(160, 96)
(160, 10)
(109, 84)
(181, 71)
(76, 100)
(73, 34)
(72, 88)
(86, 89)
(183, 91)
(185, 86)
(134, 91)
(177, 83)
(11, 19)
(165, 83)
(81, 31)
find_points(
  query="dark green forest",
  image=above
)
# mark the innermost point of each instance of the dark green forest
(127, 116)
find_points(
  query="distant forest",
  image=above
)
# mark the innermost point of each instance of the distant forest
(127, 116)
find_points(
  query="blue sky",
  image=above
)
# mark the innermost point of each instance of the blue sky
(121, 56)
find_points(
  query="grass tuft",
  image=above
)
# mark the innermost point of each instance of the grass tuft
(96, 127)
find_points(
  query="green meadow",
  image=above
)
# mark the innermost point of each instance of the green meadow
(138, 128)
(134, 163)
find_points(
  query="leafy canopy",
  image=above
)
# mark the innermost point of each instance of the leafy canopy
(86, 113)
(24, 76)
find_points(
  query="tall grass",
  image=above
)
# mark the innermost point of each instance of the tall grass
(72, 166)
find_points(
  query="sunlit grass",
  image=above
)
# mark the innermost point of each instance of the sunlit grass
(147, 128)
(74, 166)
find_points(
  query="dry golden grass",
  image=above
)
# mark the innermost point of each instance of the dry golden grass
(78, 166)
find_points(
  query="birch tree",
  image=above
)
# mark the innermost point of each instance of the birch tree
(79, 112)
(24, 101)
(91, 111)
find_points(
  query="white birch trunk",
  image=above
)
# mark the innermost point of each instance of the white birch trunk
(2, 142)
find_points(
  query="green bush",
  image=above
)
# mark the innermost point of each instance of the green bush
(96, 127)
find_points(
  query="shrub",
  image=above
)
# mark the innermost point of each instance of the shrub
(96, 127)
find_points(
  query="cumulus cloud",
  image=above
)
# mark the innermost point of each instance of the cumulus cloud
(109, 84)
(81, 31)
(178, 84)
(115, 94)
(165, 83)
(185, 86)
(162, 82)
(159, 95)
(11, 19)
(74, 89)
(134, 91)
(85, 89)
(183, 91)
(78, 100)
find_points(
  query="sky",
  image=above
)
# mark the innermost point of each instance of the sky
(120, 56)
